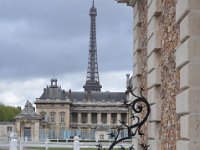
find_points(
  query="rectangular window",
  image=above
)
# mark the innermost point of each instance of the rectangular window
(9, 129)
(113, 118)
(84, 118)
(62, 133)
(104, 118)
(52, 133)
(124, 117)
(62, 117)
(27, 133)
(42, 114)
(101, 137)
(74, 118)
(52, 117)
(94, 118)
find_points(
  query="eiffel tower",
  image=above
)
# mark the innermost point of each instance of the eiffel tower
(92, 79)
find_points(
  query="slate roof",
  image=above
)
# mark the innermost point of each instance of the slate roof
(56, 93)
(53, 91)
(97, 96)
(28, 112)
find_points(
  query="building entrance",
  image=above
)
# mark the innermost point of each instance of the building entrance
(27, 134)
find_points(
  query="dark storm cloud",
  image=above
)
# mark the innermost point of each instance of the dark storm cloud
(51, 37)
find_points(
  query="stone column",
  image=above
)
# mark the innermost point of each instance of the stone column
(154, 71)
(79, 118)
(36, 131)
(188, 63)
(118, 118)
(89, 118)
(109, 118)
(99, 118)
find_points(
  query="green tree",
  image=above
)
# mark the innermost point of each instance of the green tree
(7, 113)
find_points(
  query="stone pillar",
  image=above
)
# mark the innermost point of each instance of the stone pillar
(17, 125)
(109, 118)
(36, 131)
(118, 118)
(154, 71)
(89, 118)
(99, 118)
(188, 63)
(79, 118)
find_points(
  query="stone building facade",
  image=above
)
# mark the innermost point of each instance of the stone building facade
(89, 114)
(27, 124)
(166, 39)
(6, 128)
(61, 114)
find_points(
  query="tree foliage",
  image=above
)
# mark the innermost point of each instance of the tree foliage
(7, 113)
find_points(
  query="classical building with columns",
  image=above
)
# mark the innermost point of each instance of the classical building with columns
(87, 114)
(166, 40)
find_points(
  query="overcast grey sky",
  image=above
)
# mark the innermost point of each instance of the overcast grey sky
(41, 39)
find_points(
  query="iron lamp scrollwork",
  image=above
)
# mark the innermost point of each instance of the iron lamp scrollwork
(140, 110)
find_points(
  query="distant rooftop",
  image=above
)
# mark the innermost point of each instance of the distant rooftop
(96, 96)
(28, 112)
(53, 91)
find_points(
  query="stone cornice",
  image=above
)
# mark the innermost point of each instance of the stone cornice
(52, 101)
(128, 2)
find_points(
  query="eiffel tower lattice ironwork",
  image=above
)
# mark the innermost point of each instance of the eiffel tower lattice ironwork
(92, 80)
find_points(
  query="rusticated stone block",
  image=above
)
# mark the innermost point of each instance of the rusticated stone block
(137, 19)
(149, 3)
(137, 46)
(190, 126)
(184, 6)
(154, 43)
(153, 61)
(153, 130)
(190, 25)
(154, 145)
(155, 114)
(154, 78)
(135, 10)
(153, 95)
(136, 82)
(188, 52)
(135, 142)
(137, 58)
(189, 76)
(154, 9)
(188, 144)
(153, 26)
(188, 101)
(137, 70)
(137, 32)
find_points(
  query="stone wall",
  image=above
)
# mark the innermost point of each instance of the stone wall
(167, 65)
(188, 63)
(140, 55)
(6, 128)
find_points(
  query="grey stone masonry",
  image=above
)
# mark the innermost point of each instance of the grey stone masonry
(188, 62)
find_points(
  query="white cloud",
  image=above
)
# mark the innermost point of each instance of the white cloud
(16, 93)
(114, 81)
